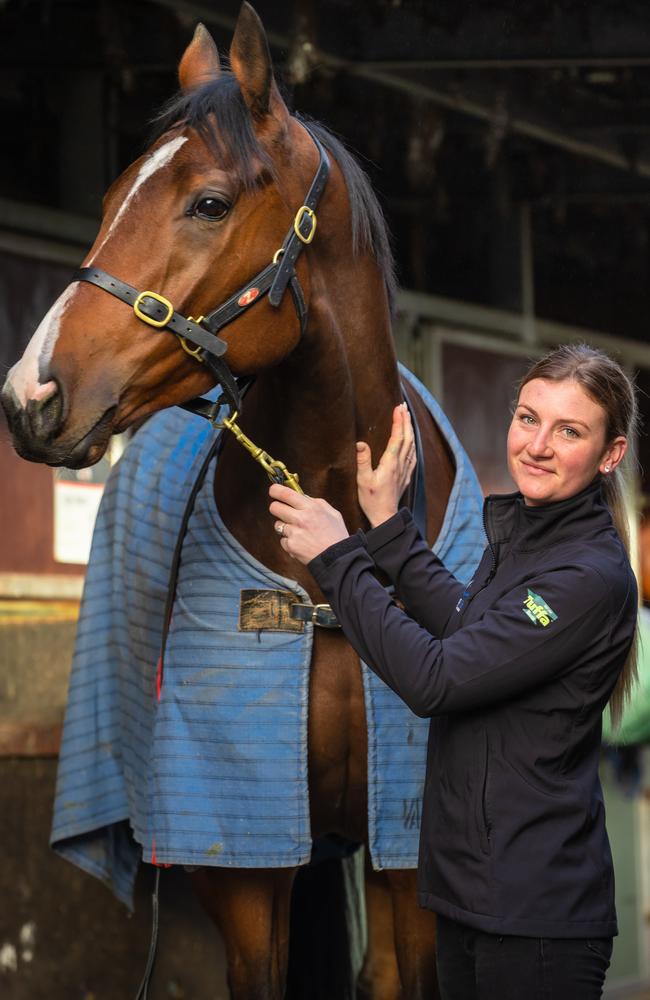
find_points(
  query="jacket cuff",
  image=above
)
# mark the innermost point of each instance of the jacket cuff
(384, 533)
(331, 554)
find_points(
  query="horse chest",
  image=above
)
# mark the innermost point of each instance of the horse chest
(337, 740)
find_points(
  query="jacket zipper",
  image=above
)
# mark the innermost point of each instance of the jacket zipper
(487, 535)
(485, 810)
(467, 596)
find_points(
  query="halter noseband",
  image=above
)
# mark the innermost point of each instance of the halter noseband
(157, 311)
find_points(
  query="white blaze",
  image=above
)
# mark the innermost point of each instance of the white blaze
(151, 165)
(24, 376)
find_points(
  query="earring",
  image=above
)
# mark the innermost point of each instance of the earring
(608, 468)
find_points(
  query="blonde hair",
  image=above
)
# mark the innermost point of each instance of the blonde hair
(607, 384)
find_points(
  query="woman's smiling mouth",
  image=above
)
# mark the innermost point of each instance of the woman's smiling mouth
(536, 470)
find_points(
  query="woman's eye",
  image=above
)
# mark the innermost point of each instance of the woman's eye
(570, 432)
(526, 418)
(211, 208)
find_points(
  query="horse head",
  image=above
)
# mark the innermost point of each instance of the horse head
(206, 208)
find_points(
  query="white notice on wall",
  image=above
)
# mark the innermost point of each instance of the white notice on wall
(77, 493)
(75, 510)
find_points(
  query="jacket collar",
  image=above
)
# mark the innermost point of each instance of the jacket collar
(507, 518)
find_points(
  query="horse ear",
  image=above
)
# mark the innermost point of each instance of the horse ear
(250, 61)
(200, 62)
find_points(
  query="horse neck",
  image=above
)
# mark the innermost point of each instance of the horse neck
(353, 342)
(338, 386)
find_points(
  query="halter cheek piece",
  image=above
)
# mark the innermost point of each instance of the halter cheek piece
(157, 311)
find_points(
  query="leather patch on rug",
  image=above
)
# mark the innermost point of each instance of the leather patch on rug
(269, 610)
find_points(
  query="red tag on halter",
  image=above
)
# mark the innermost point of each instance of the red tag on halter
(248, 296)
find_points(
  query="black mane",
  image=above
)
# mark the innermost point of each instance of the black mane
(369, 229)
(217, 111)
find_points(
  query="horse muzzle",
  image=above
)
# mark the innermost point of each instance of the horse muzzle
(39, 433)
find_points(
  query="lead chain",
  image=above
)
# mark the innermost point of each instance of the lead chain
(275, 470)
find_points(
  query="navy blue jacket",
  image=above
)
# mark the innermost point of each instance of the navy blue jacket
(514, 671)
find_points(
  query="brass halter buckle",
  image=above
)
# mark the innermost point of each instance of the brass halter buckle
(149, 319)
(305, 213)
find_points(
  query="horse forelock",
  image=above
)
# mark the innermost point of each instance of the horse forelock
(218, 113)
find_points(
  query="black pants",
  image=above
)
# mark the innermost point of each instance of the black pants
(473, 965)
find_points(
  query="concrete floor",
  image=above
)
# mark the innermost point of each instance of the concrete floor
(86, 945)
(65, 937)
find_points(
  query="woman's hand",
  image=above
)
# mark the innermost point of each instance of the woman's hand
(306, 526)
(380, 489)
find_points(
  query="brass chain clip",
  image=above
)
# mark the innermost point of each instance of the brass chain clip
(275, 470)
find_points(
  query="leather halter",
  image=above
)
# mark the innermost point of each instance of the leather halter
(157, 311)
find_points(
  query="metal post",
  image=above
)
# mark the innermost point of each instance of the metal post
(527, 276)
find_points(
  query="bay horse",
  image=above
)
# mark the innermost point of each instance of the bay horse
(203, 210)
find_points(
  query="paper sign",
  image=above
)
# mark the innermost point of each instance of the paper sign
(75, 510)
(77, 493)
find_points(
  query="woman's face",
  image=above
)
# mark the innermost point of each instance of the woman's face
(556, 441)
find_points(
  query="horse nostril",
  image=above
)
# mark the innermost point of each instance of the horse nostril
(45, 410)
(44, 391)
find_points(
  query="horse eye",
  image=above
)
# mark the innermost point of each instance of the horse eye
(211, 208)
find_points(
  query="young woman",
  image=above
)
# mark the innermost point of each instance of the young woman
(514, 670)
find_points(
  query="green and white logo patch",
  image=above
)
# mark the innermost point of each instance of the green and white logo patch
(538, 610)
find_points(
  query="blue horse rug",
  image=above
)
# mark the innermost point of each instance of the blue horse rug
(212, 768)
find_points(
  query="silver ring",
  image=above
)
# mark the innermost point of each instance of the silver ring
(280, 528)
